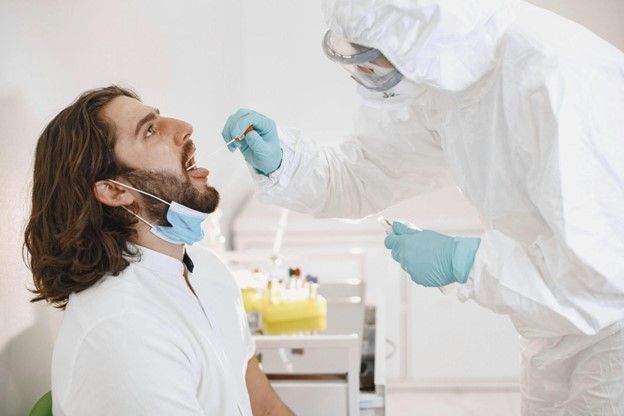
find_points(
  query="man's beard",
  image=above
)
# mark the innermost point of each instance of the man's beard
(170, 187)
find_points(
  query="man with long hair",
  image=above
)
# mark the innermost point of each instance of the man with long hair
(116, 199)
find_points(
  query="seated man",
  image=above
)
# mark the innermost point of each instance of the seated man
(115, 200)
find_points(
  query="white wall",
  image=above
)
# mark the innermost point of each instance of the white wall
(195, 60)
(183, 57)
(603, 17)
(286, 71)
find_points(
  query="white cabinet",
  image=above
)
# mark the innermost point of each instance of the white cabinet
(313, 375)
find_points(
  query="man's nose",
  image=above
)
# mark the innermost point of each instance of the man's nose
(182, 131)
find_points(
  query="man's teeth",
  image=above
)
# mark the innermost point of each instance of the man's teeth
(191, 160)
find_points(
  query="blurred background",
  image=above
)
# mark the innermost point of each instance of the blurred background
(200, 61)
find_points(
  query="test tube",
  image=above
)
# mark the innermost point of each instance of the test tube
(242, 136)
(313, 290)
(312, 286)
(270, 291)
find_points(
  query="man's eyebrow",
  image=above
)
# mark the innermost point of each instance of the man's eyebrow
(151, 116)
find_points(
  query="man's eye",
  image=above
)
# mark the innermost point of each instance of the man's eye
(150, 131)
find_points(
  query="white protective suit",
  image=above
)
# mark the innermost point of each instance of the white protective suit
(524, 110)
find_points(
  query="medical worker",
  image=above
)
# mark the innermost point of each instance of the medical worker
(524, 111)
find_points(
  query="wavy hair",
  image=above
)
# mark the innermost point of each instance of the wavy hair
(71, 238)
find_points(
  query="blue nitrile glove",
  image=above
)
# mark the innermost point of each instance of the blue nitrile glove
(261, 148)
(432, 259)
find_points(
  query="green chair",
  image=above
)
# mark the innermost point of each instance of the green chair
(43, 407)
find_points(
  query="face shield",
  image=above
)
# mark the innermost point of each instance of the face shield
(368, 66)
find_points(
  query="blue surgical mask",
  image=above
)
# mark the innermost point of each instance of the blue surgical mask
(186, 223)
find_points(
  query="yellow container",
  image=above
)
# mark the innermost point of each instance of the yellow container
(281, 316)
(288, 316)
(250, 301)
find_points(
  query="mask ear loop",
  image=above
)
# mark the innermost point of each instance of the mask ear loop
(139, 217)
(140, 191)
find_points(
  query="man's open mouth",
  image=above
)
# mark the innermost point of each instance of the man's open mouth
(193, 170)
(190, 163)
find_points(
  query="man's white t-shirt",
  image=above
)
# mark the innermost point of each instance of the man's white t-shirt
(141, 343)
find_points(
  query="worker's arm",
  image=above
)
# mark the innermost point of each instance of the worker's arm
(264, 400)
(392, 158)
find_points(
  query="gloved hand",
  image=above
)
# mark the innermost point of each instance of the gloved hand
(432, 259)
(261, 147)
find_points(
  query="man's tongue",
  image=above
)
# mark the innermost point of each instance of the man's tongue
(198, 173)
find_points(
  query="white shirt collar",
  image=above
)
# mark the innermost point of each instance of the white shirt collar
(159, 262)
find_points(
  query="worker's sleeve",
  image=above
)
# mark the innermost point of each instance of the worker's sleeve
(570, 280)
(391, 159)
(131, 365)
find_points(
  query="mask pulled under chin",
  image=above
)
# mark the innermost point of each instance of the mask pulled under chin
(186, 223)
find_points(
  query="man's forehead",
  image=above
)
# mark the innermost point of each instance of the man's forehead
(125, 112)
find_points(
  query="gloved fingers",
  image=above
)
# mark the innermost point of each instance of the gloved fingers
(404, 267)
(390, 241)
(396, 256)
(263, 125)
(226, 136)
(248, 154)
(403, 264)
(254, 141)
(244, 147)
(399, 228)
(231, 122)
(240, 123)
(229, 130)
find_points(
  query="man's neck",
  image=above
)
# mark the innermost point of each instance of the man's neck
(146, 239)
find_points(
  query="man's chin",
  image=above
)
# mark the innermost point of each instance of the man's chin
(189, 191)
(209, 200)
(200, 184)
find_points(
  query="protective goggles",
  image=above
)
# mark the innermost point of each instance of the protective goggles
(368, 66)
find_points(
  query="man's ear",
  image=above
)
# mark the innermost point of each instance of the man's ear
(111, 194)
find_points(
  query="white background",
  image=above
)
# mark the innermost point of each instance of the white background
(197, 60)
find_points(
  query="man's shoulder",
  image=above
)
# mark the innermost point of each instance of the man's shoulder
(110, 306)
(111, 296)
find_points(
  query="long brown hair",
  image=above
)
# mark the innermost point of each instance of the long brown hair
(71, 238)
